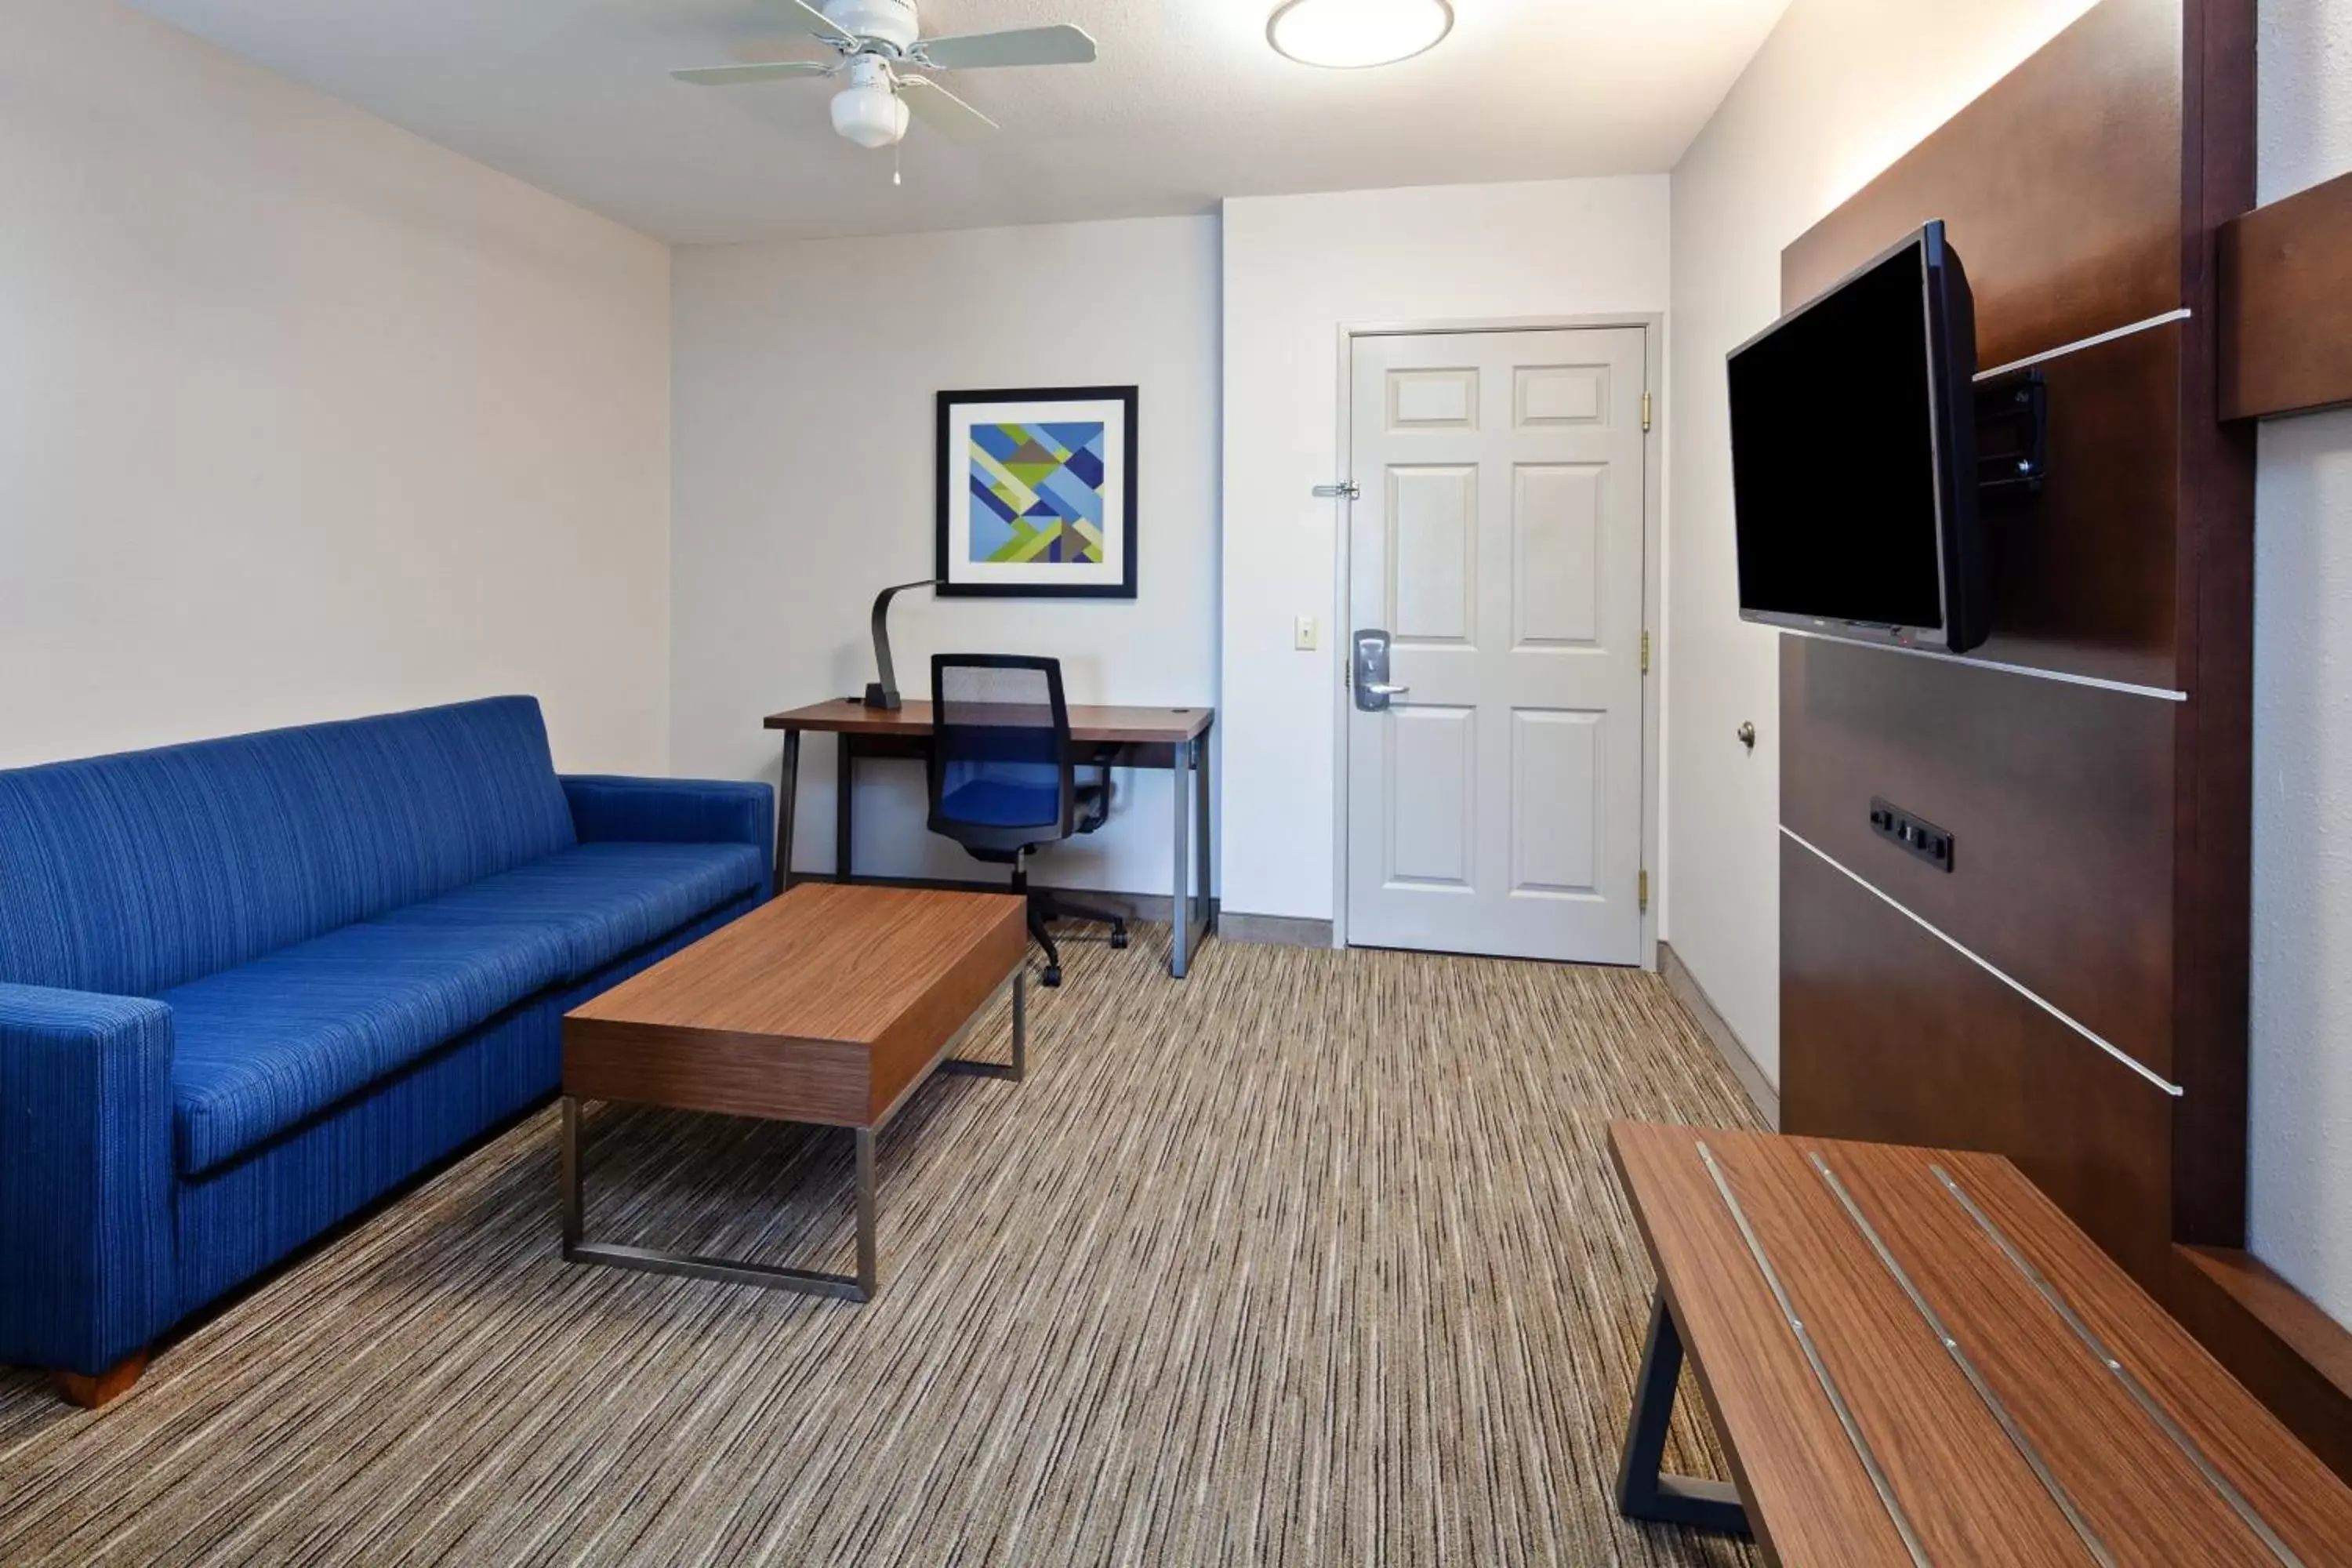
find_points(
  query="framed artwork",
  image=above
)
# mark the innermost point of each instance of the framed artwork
(1036, 494)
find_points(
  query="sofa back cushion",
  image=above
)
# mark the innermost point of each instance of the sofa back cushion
(132, 874)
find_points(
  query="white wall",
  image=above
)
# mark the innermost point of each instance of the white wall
(1841, 89)
(301, 416)
(2301, 1202)
(1296, 269)
(805, 378)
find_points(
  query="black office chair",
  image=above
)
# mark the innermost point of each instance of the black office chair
(1002, 779)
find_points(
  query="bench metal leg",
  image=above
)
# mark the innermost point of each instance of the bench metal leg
(859, 1287)
(1643, 1492)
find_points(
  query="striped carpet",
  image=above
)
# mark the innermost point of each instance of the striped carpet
(1312, 1258)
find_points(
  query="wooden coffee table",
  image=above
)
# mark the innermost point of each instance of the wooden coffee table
(830, 1005)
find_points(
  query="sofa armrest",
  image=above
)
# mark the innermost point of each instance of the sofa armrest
(672, 811)
(86, 1272)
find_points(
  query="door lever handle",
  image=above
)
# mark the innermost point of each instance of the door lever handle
(1380, 690)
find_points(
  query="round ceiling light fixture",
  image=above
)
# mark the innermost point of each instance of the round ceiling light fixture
(1350, 35)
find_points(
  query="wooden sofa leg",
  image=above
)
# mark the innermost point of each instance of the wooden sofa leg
(91, 1392)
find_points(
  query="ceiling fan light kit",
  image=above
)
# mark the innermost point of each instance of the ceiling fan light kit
(1353, 35)
(870, 112)
(882, 49)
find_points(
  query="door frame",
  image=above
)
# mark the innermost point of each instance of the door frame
(1652, 325)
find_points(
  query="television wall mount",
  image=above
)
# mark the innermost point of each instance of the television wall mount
(2012, 435)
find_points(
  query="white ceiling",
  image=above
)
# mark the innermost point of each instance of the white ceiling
(1187, 105)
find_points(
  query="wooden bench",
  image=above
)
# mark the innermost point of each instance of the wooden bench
(1911, 1356)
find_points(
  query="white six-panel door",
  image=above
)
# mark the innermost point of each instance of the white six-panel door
(1495, 806)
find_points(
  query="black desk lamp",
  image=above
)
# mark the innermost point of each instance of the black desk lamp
(884, 693)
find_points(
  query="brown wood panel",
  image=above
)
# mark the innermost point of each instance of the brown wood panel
(821, 1005)
(1888, 1035)
(2060, 800)
(1807, 1497)
(2061, 187)
(2295, 1358)
(824, 1082)
(2084, 574)
(1122, 725)
(2286, 305)
(2285, 1483)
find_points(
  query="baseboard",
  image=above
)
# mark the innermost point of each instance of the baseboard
(1693, 995)
(1126, 906)
(1274, 931)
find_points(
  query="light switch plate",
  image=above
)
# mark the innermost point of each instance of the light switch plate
(1307, 638)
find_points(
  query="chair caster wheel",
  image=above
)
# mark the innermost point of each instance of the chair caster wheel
(1053, 975)
(1118, 939)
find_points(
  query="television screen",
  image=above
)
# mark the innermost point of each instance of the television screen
(1854, 469)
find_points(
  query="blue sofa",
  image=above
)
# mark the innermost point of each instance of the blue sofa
(248, 985)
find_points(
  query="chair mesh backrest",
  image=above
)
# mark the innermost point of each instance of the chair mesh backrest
(1000, 730)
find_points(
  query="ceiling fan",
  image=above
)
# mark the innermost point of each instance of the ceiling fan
(880, 43)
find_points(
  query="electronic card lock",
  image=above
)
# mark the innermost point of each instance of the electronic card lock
(1370, 668)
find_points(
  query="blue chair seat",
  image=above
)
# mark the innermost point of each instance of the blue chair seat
(995, 803)
(264, 1047)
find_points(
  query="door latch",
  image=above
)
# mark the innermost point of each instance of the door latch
(1370, 663)
(1348, 490)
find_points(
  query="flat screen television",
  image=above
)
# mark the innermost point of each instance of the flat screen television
(1854, 458)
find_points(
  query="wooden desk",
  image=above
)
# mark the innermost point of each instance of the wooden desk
(1176, 739)
(1912, 1356)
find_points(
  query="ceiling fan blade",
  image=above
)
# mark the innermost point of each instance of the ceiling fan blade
(823, 26)
(732, 75)
(1062, 45)
(943, 111)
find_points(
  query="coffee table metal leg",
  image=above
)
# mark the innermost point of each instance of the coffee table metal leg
(572, 1216)
(1020, 1067)
(859, 1287)
(866, 1269)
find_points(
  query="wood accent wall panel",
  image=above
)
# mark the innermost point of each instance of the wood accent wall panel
(2060, 799)
(2086, 192)
(2062, 186)
(1887, 1035)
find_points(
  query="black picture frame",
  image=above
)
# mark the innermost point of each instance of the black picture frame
(948, 477)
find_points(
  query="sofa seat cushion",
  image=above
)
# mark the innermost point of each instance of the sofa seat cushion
(266, 1045)
(600, 901)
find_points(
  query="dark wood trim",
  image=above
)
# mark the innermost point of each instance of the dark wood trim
(2214, 739)
(2286, 305)
(2294, 1357)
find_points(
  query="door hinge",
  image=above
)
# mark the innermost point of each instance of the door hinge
(1347, 490)
(1645, 892)
(1645, 652)
(1645, 412)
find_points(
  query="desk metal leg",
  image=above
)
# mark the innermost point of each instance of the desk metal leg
(1643, 1492)
(1200, 823)
(1179, 902)
(845, 797)
(788, 790)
